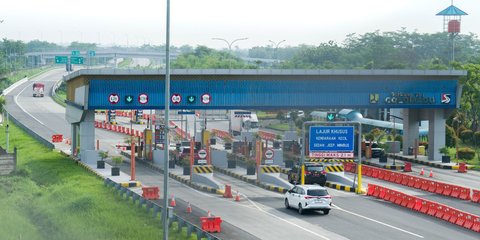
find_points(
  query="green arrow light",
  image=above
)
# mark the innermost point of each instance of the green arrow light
(129, 99)
(330, 116)
(191, 99)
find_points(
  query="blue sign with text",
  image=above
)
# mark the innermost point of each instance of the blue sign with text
(331, 138)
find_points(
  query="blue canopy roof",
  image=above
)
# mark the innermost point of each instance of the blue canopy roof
(451, 11)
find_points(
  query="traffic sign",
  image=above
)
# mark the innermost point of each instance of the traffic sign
(176, 98)
(75, 53)
(191, 99)
(331, 139)
(76, 60)
(202, 161)
(269, 153)
(91, 53)
(113, 98)
(61, 59)
(202, 154)
(206, 98)
(129, 99)
(331, 117)
(143, 98)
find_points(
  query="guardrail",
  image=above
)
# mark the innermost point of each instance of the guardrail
(149, 205)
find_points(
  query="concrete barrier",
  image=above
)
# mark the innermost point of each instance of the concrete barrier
(203, 174)
(271, 175)
(339, 177)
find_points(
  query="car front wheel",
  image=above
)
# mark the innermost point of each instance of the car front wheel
(300, 209)
(287, 205)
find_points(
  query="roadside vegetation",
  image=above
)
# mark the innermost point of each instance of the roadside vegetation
(51, 197)
(125, 63)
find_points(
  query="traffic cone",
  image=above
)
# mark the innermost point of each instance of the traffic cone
(431, 174)
(422, 172)
(209, 214)
(189, 208)
(237, 197)
(172, 202)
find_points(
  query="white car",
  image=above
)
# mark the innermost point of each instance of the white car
(306, 197)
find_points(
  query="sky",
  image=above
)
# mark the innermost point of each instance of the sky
(196, 22)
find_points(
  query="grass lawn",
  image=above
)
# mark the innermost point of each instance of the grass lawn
(125, 63)
(50, 197)
(10, 79)
(279, 126)
(266, 115)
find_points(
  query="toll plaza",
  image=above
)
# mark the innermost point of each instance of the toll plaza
(422, 94)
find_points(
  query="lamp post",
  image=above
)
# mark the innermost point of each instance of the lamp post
(230, 67)
(230, 45)
(394, 135)
(276, 47)
(167, 125)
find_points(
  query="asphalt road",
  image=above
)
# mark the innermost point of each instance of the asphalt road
(261, 213)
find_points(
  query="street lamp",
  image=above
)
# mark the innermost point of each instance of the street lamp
(167, 126)
(276, 47)
(230, 45)
(394, 135)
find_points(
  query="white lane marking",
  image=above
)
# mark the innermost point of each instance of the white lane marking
(376, 221)
(291, 223)
(15, 99)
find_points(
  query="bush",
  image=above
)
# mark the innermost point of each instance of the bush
(450, 139)
(476, 137)
(466, 136)
(466, 153)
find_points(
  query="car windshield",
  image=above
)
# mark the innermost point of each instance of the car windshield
(314, 168)
(317, 192)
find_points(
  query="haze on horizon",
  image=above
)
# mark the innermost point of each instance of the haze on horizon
(197, 22)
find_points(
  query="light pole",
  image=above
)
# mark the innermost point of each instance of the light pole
(394, 135)
(167, 126)
(276, 47)
(230, 45)
(230, 67)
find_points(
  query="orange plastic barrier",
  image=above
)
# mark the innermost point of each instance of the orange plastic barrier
(439, 188)
(407, 167)
(454, 215)
(462, 168)
(464, 194)
(150, 193)
(432, 186)
(476, 196)
(432, 208)
(57, 138)
(447, 190)
(424, 186)
(455, 191)
(476, 225)
(211, 224)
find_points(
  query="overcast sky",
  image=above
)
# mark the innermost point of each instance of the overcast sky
(196, 22)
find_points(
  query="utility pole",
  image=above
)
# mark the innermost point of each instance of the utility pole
(167, 126)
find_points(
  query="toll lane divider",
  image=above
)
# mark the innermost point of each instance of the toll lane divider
(150, 206)
(424, 184)
(434, 209)
(391, 167)
(177, 177)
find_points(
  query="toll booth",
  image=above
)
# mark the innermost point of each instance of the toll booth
(137, 118)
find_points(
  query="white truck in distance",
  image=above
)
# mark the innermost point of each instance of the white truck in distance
(243, 121)
(38, 89)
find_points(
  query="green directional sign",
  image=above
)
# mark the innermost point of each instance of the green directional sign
(75, 53)
(76, 60)
(61, 59)
(331, 117)
(91, 53)
(191, 99)
(129, 99)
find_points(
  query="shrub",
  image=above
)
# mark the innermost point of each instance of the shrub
(476, 137)
(466, 136)
(466, 153)
(450, 139)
